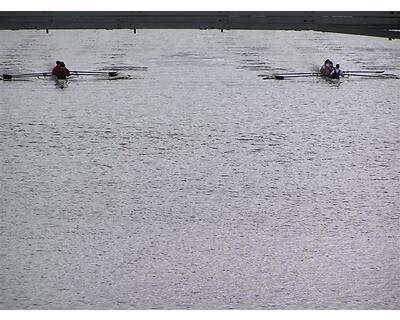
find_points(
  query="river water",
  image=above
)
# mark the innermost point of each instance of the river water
(196, 184)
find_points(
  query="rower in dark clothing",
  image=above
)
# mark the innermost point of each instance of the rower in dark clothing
(56, 69)
(62, 72)
(336, 72)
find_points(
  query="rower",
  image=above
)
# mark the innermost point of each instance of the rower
(324, 66)
(56, 68)
(63, 72)
(327, 68)
(336, 73)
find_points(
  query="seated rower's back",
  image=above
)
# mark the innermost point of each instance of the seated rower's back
(62, 72)
(336, 72)
(57, 67)
(327, 67)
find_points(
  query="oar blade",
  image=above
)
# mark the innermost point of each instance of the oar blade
(284, 76)
(268, 77)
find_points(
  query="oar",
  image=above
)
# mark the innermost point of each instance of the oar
(283, 77)
(109, 73)
(379, 76)
(290, 73)
(364, 71)
(22, 75)
(298, 73)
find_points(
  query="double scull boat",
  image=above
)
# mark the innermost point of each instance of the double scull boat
(109, 75)
(377, 74)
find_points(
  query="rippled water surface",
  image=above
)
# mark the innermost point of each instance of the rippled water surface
(198, 185)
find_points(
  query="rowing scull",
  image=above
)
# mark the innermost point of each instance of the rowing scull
(112, 75)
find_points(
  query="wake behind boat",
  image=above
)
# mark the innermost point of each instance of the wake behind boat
(61, 83)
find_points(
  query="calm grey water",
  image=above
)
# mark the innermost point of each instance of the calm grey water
(197, 185)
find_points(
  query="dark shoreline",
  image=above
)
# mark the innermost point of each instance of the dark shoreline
(371, 23)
